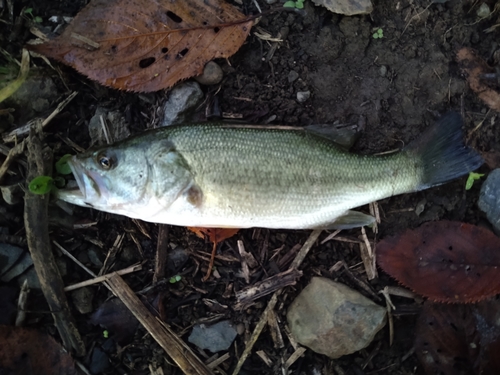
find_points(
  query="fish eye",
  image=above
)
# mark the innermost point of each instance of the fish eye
(104, 161)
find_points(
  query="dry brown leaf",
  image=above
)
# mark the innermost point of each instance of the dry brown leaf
(475, 67)
(148, 45)
(445, 261)
(214, 235)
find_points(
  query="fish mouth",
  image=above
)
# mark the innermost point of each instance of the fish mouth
(89, 186)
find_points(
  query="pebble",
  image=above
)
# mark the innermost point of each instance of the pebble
(12, 194)
(116, 127)
(333, 319)
(9, 255)
(293, 76)
(302, 96)
(483, 11)
(215, 338)
(212, 74)
(347, 7)
(182, 101)
(383, 71)
(489, 199)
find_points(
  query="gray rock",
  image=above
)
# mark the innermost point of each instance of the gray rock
(332, 319)
(302, 96)
(182, 101)
(176, 258)
(22, 264)
(347, 7)
(12, 194)
(82, 299)
(215, 338)
(212, 74)
(383, 70)
(293, 76)
(9, 255)
(483, 11)
(489, 199)
(31, 277)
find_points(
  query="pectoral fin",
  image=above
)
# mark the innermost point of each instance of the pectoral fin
(351, 219)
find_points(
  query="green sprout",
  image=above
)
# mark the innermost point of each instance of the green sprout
(41, 185)
(299, 4)
(45, 184)
(105, 334)
(175, 279)
(62, 166)
(29, 13)
(379, 34)
(472, 177)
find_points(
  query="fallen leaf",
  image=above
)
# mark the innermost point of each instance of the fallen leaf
(27, 351)
(149, 45)
(459, 339)
(475, 68)
(214, 235)
(445, 261)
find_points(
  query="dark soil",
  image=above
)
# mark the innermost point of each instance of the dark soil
(395, 87)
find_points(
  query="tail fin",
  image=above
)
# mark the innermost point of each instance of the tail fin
(442, 152)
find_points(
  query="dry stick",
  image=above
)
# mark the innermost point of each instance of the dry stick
(161, 253)
(99, 279)
(37, 233)
(24, 130)
(182, 355)
(274, 299)
(13, 153)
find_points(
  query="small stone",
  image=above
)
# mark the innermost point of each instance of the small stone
(82, 299)
(302, 96)
(9, 255)
(347, 7)
(12, 194)
(215, 338)
(212, 74)
(176, 259)
(115, 127)
(333, 319)
(420, 206)
(183, 99)
(483, 11)
(383, 71)
(489, 199)
(293, 76)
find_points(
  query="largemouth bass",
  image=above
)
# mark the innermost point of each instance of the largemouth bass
(218, 175)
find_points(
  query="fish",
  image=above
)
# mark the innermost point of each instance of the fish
(242, 176)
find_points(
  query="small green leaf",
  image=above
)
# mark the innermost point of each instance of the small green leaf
(62, 165)
(175, 279)
(38, 19)
(375, 36)
(105, 334)
(28, 11)
(289, 4)
(472, 177)
(41, 185)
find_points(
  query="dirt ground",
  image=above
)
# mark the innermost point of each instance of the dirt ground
(395, 87)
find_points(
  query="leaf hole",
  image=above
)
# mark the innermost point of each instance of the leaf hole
(205, 23)
(174, 17)
(216, 29)
(478, 274)
(450, 248)
(183, 53)
(431, 323)
(144, 63)
(164, 50)
(454, 327)
(113, 48)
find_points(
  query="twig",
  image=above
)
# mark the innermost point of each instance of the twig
(13, 153)
(161, 253)
(37, 233)
(99, 279)
(274, 299)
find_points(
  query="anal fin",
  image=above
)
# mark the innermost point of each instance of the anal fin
(351, 219)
